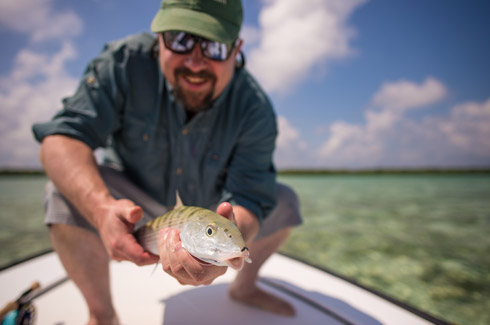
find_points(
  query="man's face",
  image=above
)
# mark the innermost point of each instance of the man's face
(195, 79)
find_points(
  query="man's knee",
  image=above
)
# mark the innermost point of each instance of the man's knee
(287, 197)
(59, 211)
(285, 215)
(67, 231)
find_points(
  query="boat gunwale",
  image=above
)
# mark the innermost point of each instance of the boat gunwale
(414, 310)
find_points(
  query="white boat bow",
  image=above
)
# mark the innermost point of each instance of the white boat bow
(142, 296)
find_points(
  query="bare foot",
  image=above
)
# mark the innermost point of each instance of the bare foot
(255, 297)
(103, 320)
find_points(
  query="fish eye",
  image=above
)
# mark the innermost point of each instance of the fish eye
(210, 230)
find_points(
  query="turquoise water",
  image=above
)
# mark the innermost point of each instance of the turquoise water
(21, 217)
(419, 238)
(422, 239)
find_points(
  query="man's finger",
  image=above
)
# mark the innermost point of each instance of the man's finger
(193, 269)
(183, 266)
(226, 210)
(176, 255)
(135, 214)
(177, 262)
(135, 253)
(131, 214)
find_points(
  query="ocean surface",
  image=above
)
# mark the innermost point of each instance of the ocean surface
(422, 239)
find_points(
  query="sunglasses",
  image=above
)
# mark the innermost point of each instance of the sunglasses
(183, 43)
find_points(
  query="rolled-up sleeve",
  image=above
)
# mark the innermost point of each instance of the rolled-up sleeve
(91, 115)
(251, 177)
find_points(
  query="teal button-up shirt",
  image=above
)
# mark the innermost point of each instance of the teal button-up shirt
(124, 104)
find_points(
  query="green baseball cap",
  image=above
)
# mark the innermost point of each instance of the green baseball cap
(217, 20)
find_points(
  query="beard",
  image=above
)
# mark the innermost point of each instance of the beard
(194, 101)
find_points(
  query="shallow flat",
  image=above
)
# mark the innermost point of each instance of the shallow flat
(142, 296)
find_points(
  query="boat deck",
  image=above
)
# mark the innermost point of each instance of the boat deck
(142, 296)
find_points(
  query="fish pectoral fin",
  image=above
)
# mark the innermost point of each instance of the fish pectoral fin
(155, 268)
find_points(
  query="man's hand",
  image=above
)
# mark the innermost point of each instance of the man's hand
(71, 165)
(184, 267)
(187, 269)
(115, 222)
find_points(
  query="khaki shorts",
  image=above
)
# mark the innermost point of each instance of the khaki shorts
(59, 211)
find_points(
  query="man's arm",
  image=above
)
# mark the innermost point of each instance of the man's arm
(247, 222)
(70, 164)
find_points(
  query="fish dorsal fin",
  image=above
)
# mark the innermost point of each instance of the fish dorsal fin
(178, 201)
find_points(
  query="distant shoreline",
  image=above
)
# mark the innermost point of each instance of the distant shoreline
(367, 171)
(385, 171)
(22, 172)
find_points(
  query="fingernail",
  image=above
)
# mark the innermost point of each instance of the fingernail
(133, 214)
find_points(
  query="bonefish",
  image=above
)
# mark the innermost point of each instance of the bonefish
(205, 234)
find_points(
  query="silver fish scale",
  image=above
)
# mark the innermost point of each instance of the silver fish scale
(147, 235)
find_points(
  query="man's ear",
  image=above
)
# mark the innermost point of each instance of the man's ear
(238, 44)
(239, 56)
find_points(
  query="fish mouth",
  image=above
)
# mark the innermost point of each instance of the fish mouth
(243, 253)
(246, 253)
(236, 261)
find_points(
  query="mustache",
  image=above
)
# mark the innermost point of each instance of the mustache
(185, 72)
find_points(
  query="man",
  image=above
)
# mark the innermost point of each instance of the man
(174, 113)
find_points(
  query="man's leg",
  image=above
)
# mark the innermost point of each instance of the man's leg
(244, 289)
(272, 235)
(87, 264)
(80, 249)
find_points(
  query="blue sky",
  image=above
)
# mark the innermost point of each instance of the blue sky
(355, 84)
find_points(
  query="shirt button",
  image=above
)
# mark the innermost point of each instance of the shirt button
(90, 80)
(185, 131)
(178, 171)
(145, 137)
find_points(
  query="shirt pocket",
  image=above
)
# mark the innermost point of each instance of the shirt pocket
(140, 136)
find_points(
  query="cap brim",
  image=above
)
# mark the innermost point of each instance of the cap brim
(194, 22)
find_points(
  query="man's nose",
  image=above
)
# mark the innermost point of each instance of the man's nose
(195, 60)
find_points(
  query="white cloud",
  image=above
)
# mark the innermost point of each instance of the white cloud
(287, 133)
(391, 138)
(250, 35)
(467, 128)
(39, 20)
(32, 90)
(296, 37)
(30, 94)
(367, 144)
(290, 149)
(404, 95)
